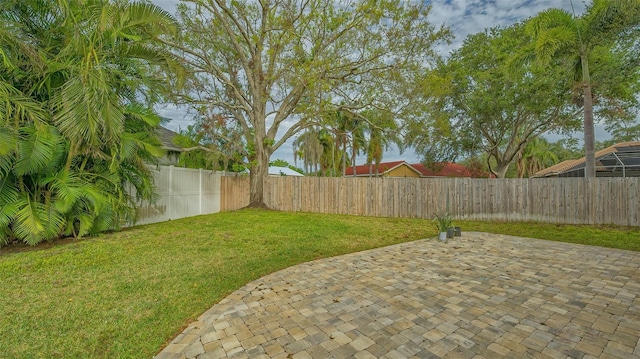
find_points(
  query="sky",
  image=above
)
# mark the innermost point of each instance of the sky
(464, 17)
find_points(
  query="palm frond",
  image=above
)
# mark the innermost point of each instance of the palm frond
(35, 149)
(113, 117)
(134, 143)
(35, 222)
(5, 236)
(14, 105)
(85, 223)
(551, 18)
(553, 41)
(150, 55)
(8, 143)
(8, 38)
(139, 176)
(89, 110)
(104, 221)
(17, 47)
(96, 199)
(605, 18)
(152, 18)
(143, 113)
(128, 147)
(8, 140)
(8, 197)
(72, 112)
(6, 164)
(66, 187)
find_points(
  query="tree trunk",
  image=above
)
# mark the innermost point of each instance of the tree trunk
(521, 165)
(258, 173)
(589, 132)
(501, 169)
(344, 158)
(353, 153)
(503, 161)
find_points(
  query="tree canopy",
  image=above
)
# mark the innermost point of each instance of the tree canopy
(263, 64)
(480, 102)
(507, 86)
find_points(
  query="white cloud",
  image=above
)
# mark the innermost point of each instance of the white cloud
(180, 118)
(466, 17)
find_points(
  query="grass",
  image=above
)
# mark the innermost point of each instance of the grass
(602, 236)
(124, 295)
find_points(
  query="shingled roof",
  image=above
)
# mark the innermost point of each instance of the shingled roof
(166, 138)
(445, 169)
(383, 167)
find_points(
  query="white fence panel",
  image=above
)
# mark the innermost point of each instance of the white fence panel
(182, 192)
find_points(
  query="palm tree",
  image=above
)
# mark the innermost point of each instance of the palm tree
(382, 132)
(375, 148)
(309, 148)
(74, 131)
(330, 159)
(349, 132)
(557, 32)
(536, 155)
(113, 42)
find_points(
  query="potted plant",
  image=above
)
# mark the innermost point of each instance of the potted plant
(443, 223)
(451, 232)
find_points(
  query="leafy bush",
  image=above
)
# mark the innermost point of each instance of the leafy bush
(73, 131)
(443, 222)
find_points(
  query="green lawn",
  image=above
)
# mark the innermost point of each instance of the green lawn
(126, 294)
(603, 236)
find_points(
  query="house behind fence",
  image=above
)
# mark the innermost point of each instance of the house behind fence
(187, 192)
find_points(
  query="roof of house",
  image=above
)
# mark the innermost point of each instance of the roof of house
(383, 167)
(626, 153)
(166, 139)
(446, 169)
(283, 171)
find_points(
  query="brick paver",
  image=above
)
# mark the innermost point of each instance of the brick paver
(477, 296)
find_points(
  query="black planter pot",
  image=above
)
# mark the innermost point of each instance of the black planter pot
(450, 232)
(458, 231)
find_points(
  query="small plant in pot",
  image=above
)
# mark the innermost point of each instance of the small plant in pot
(443, 223)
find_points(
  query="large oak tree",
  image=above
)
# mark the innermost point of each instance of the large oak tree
(273, 66)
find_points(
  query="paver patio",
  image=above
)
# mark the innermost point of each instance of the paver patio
(477, 296)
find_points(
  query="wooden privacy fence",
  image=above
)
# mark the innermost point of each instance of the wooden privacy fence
(554, 200)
